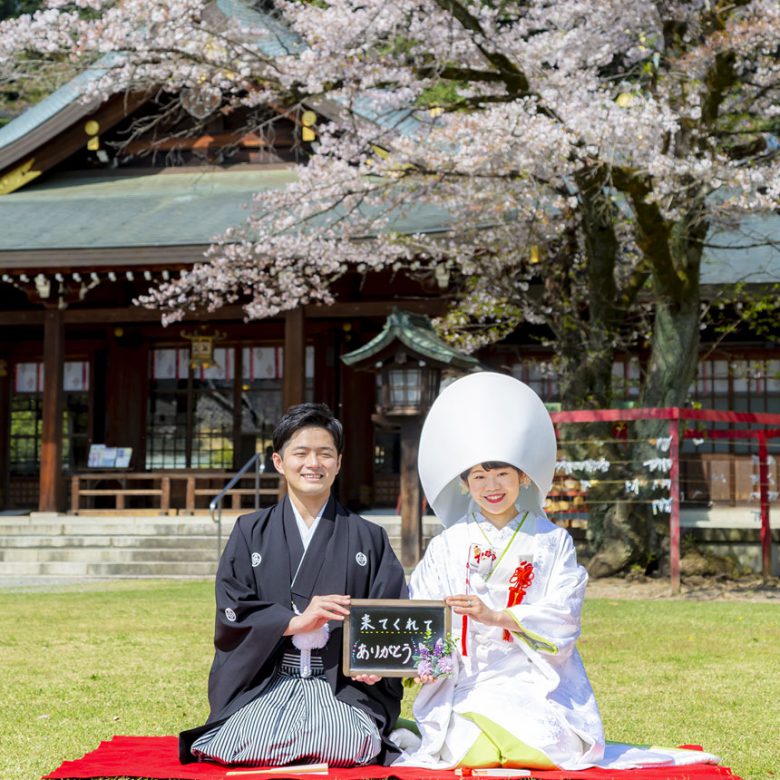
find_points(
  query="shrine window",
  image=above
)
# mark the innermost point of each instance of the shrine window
(740, 384)
(27, 417)
(192, 422)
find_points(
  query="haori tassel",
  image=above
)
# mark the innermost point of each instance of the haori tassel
(311, 640)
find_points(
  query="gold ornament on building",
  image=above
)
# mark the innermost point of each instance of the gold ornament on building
(92, 129)
(308, 120)
(18, 177)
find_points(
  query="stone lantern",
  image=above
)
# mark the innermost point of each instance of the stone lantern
(409, 360)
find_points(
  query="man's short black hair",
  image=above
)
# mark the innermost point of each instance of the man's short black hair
(306, 416)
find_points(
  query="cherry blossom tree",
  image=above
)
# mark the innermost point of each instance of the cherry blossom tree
(16, 92)
(562, 163)
(10, 8)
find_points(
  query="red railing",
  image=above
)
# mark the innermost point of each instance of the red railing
(674, 415)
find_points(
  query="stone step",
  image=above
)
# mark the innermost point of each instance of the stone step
(71, 531)
(131, 528)
(182, 524)
(103, 541)
(106, 555)
(40, 546)
(55, 581)
(160, 569)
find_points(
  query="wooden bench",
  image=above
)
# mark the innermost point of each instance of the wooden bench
(161, 485)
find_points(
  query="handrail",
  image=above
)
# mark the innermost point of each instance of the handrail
(215, 505)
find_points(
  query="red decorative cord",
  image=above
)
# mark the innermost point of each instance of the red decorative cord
(519, 583)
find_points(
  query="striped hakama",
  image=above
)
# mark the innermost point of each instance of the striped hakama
(295, 720)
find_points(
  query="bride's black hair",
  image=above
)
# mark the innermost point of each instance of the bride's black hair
(489, 465)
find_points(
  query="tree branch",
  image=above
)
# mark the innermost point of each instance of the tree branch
(515, 80)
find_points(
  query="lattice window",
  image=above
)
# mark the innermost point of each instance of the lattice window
(27, 417)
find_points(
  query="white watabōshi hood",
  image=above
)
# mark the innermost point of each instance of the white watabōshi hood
(485, 417)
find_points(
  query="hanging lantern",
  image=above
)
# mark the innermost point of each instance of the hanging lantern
(202, 346)
(408, 359)
(407, 386)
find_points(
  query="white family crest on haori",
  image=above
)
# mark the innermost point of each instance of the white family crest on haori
(361, 559)
(485, 417)
(257, 559)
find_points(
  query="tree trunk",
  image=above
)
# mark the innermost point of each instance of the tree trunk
(673, 355)
(632, 533)
(587, 350)
(589, 327)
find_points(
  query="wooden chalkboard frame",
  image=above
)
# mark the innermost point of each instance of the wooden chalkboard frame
(410, 606)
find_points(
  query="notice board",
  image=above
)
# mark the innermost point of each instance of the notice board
(381, 636)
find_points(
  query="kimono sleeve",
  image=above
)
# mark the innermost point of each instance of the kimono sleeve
(248, 630)
(429, 578)
(389, 581)
(551, 624)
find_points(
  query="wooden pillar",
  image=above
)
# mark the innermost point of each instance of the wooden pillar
(674, 514)
(294, 387)
(325, 369)
(5, 432)
(763, 488)
(238, 380)
(75, 485)
(125, 382)
(190, 422)
(50, 485)
(354, 411)
(411, 521)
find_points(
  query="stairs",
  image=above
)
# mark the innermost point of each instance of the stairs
(48, 548)
(53, 549)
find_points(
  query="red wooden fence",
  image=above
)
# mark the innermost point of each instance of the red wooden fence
(674, 415)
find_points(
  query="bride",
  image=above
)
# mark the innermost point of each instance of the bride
(518, 695)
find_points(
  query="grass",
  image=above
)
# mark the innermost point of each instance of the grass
(703, 673)
(81, 664)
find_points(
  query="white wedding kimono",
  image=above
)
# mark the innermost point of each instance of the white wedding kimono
(533, 687)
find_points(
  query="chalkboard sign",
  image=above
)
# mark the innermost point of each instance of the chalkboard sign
(381, 636)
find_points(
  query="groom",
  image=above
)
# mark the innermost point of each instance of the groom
(284, 583)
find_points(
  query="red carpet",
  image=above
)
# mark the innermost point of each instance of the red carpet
(157, 758)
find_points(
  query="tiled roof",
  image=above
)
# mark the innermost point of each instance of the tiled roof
(749, 252)
(278, 40)
(152, 208)
(69, 211)
(190, 207)
(416, 333)
(50, 106)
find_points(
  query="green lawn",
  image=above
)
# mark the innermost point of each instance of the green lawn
(80, 665)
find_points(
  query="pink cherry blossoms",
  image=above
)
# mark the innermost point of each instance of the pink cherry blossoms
(470, 141)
